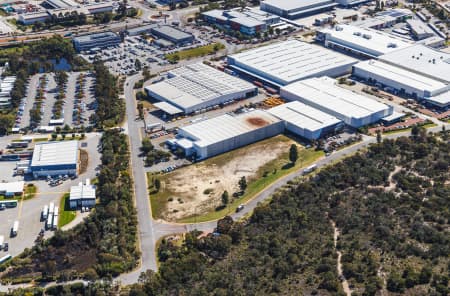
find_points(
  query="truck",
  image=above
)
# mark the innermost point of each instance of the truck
(44, 213)
(55, 223)
(51, 208)
(2, 240)
(15, 228)
(5, 258)
(49, 223)
(309, 169)
(56, 211)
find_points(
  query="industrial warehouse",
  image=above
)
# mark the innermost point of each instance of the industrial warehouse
(364, 42)
(306, 121)
(289, 61)
(419, 72)
(82, 195)
(196, 87)
(54, 159)
(224, 133)
(294, 9)
(322, 93)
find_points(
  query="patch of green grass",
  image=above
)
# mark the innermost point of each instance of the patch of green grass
(194, 52)
(30, 191)
(428, 125)
(40, 140)
(66, 215)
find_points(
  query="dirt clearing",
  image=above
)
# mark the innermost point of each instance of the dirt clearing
(198, 188)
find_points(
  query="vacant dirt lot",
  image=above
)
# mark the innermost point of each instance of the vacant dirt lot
(198, 188)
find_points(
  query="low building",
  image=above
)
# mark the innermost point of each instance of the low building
(227, 132)
(324, 94)
(82, 195)
(363, 42)
(98, 40)
(248, 20)
(172, 34)
(294, 9)
(140, 30)
(55, 158)
(101, 7)
(6, 86)
(35, 17)
(419, 29)
(402, 81)
(9, 189)
(306, 121)
(418, 72)
(196, 87)
(289, 61)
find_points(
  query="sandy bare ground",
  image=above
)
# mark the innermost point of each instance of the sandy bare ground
(187, 186)
(345, 285)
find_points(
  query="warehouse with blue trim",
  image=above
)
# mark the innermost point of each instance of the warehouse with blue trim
(54, 159)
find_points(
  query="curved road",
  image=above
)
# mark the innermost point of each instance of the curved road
(150, 230)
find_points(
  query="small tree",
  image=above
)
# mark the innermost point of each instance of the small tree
(225, 197)
(140, 107)
(293, 153)
(379, 137)
(157, 184)
(242, 183)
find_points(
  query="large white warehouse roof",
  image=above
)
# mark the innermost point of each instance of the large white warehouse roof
(401, 75)
(197, 84)
(55, 153)
(421, 59)
(324, 94)
(304, 116)
(367, 41)
(285, 62)
(226, 127)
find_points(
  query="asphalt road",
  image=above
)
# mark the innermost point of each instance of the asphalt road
(146, 227)
(150, 230)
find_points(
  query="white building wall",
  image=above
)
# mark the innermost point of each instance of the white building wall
(408, 89)
(238, 141)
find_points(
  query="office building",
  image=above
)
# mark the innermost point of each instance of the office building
(97, 40)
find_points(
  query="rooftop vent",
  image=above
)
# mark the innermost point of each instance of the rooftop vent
(357, 33)
(367, 36)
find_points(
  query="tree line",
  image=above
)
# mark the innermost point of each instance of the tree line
(104, 245)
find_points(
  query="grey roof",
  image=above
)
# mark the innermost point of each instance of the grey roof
(93, 37)
(423, 60)
(289, 61)
(225, 127)
(55, 153)
(172, 32)
(295, 4)
(304, 116)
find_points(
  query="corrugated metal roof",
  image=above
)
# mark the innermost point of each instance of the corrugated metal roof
(224, 127)
(197, 83)
(304, 116)
(400, 75)
(12, 187)
(421, 59)
(290, 60)
(57, 153)
(364, 38)
(82, 191)
(323, 91)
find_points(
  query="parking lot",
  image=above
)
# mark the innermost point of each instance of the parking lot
(28, 212)
(78, 105)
